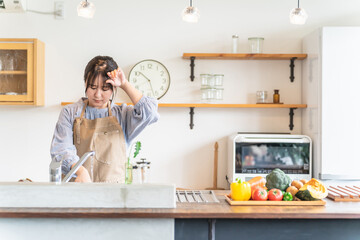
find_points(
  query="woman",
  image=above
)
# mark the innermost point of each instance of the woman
(96, 124)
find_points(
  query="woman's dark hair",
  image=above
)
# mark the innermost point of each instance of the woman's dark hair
(99, 66)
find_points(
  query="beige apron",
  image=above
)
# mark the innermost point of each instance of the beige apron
(106, 138)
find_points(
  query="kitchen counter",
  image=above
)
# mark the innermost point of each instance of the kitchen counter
(332, 210)
(338, 220)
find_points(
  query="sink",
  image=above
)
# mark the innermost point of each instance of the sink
(86, 195)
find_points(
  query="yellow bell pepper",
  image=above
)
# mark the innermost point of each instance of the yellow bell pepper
(240, 191)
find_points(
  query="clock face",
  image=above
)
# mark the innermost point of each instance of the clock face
(151, 78)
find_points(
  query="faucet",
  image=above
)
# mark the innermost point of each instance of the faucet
(55, 168)
(55, 171)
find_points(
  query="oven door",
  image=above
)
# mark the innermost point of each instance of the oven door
(254, 157)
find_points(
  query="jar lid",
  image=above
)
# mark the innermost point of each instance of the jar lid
(255, 38)
(235, 36)
(219, 74)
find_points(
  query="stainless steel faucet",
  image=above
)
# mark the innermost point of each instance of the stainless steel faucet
(55, 168)
(55, 171)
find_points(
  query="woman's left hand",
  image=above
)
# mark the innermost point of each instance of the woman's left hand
(117, 78)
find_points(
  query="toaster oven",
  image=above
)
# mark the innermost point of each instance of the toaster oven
(252, 155)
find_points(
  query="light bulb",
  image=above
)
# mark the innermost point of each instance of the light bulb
(191, 14)
(86, 9)
(298, 16)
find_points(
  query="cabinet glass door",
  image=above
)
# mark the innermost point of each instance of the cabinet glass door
(16, 75)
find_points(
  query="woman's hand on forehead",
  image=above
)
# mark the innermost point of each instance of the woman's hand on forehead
(117, 78)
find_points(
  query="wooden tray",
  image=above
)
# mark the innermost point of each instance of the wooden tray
(344, 193)
(274, 203)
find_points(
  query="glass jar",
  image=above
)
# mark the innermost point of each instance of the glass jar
(256, 44)
(218, 80)
(261, 96)
(204, 79)
(219, 93)
(207, 80)
(207, 93)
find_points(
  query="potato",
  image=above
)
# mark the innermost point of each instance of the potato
(304, 181)
(293, 190)
(297, 184)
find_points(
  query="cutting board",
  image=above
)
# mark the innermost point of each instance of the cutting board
(274, 203)
(344, 193)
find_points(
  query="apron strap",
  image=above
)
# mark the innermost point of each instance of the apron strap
(79, 120)
(109, 107)
(86, 102)
(77, 128)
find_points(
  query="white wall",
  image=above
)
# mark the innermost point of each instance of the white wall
(131, 31)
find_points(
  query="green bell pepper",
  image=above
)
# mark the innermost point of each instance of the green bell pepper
(287, 197)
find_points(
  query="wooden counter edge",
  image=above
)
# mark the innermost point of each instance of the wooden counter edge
(159, 213)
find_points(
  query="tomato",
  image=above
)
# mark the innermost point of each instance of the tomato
(275, 195)
(259, 194)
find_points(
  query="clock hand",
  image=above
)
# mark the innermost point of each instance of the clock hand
(145, 76)
(149, 83)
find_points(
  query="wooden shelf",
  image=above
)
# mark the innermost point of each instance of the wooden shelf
(192, 106)
(215, 105)
(245, 56)
(13, 72)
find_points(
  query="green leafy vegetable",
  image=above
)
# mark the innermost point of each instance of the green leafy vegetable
(137, 148)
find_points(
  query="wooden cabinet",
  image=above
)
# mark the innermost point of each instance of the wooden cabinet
(22, 72)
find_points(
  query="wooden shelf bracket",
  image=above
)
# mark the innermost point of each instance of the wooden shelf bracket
(291, 113)
(292, 66)
(192, 65)
(191, 117)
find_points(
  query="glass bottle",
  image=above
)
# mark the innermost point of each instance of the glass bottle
(276, 97)
(136, 178)
(128, 172)
(144, 169)
(235, 39)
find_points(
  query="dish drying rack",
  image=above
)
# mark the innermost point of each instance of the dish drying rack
(344, 193)
(196, 196)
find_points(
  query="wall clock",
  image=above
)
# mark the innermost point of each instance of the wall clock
(150, 77)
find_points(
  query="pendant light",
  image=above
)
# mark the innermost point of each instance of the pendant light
(298, 15)
(86, 9)
(191, 14)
